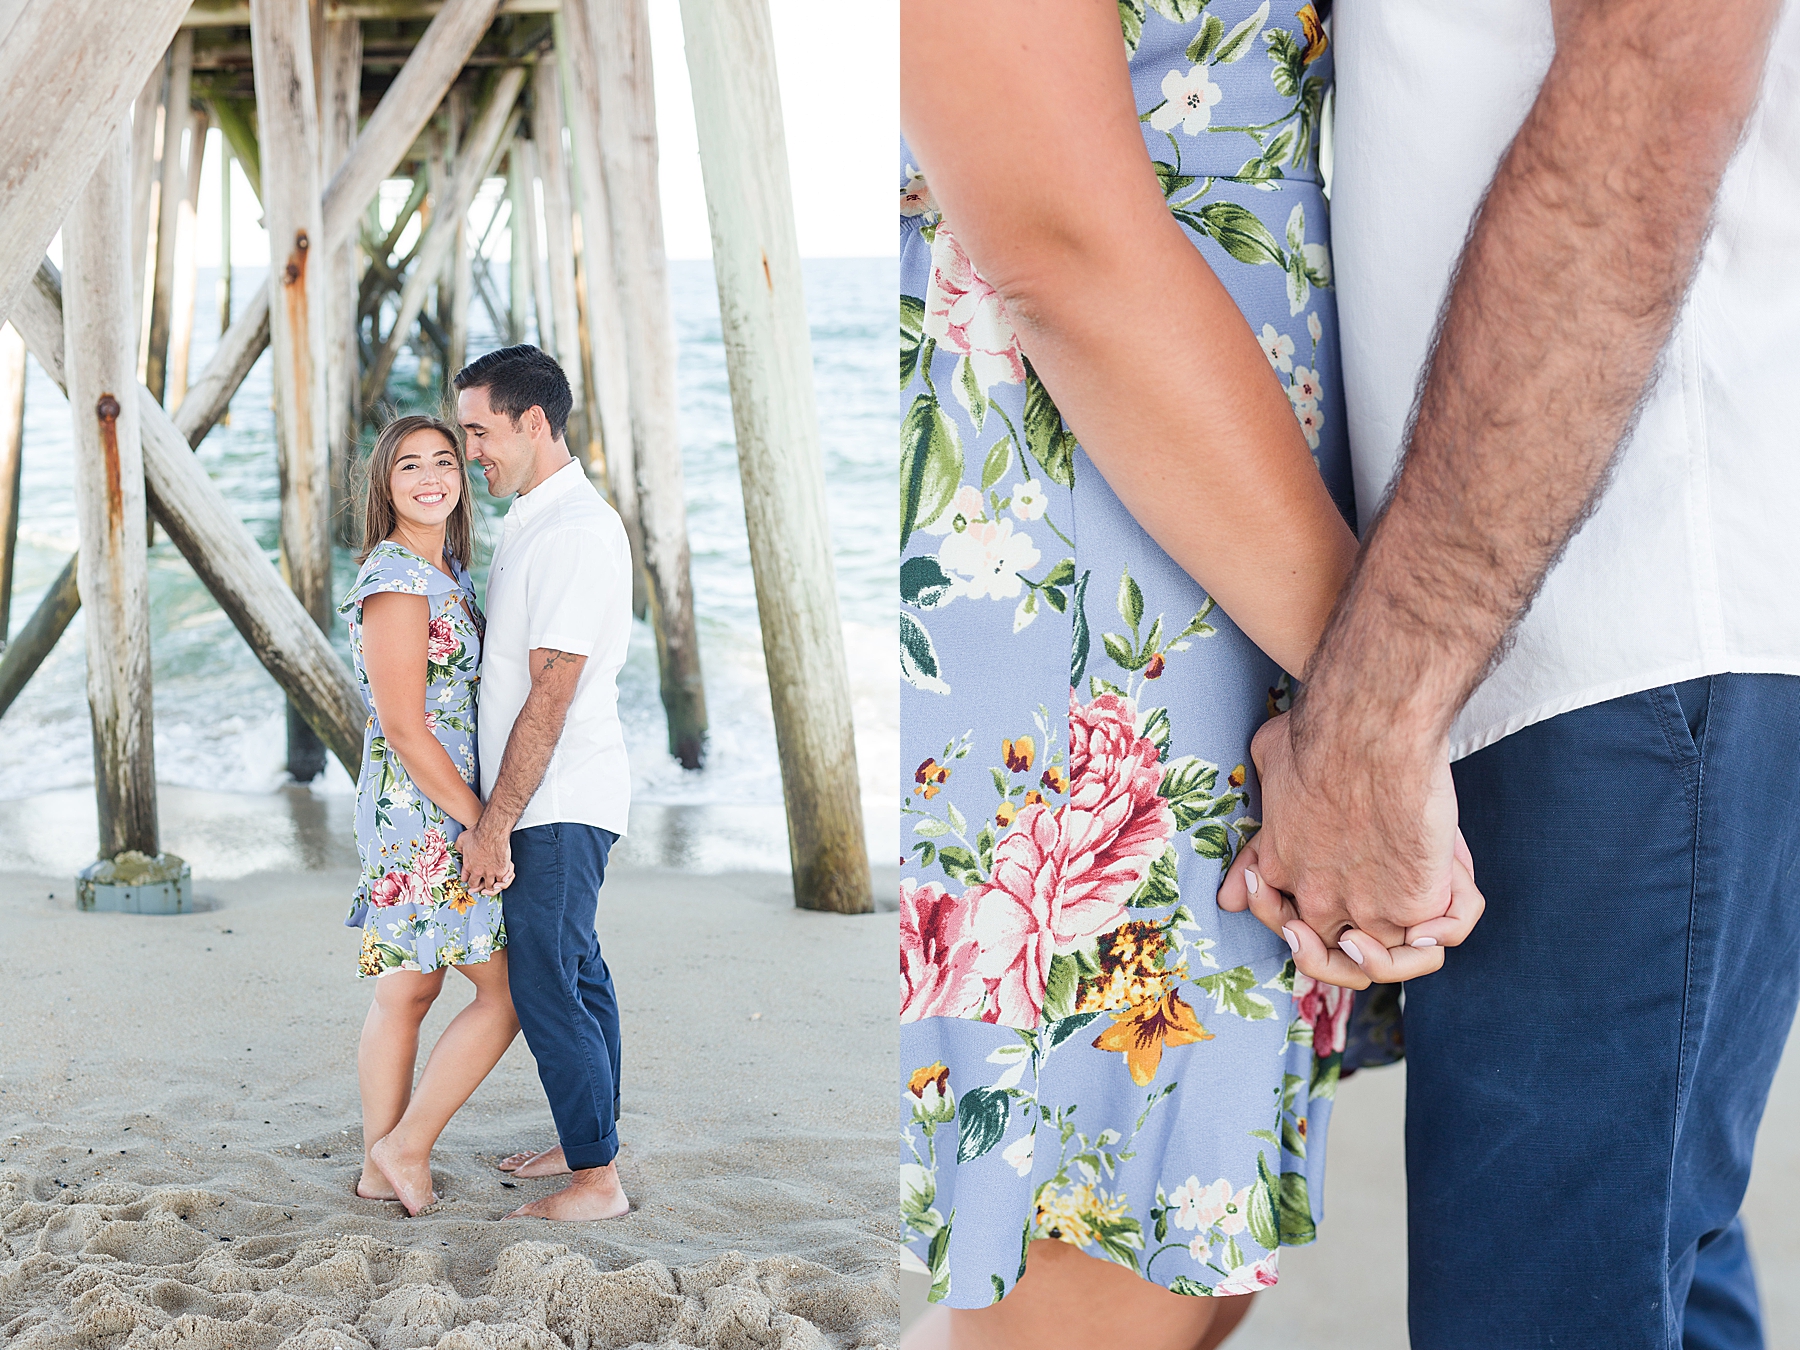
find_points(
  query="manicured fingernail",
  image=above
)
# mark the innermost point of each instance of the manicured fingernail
(1424, 942)
(1251, 881)
(1348, 948)
(1292, 941)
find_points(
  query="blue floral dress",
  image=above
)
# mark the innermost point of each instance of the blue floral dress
(1091, 1050)
(411, 905)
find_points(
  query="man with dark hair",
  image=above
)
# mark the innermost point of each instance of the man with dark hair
(554, 777)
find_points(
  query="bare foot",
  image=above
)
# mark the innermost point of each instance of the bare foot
(594, 1193)
(549, 1163)
(372, 1185)
(410, 1178)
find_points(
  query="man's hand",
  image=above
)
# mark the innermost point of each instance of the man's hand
(1359, 864)
(486, 861)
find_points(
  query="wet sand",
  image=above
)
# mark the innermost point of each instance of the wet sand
(179, 1127)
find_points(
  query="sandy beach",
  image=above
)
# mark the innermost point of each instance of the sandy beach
(179, 1125)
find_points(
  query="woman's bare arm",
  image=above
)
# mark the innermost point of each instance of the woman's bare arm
(394, 639)
(1024, 124)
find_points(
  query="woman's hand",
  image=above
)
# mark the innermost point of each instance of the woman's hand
(1356, 960)
(487, 866)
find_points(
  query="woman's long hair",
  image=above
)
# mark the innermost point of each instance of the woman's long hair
(379, 516)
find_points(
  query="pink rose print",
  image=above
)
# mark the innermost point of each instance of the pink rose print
(937, 954)
(440, 640)
(431, 719)
(396, 888)
(431, 864)
(1115, 824)
(964, 314)
(1250, 1277)
(1063, 875)
(1326, 1009)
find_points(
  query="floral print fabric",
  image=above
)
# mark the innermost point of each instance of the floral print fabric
(1092, 1052)
(411, 905)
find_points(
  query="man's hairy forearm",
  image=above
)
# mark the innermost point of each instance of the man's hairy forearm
(531, 745)
(1567, 290)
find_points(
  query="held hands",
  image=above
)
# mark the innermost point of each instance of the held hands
(1359, 864)
(486, 862)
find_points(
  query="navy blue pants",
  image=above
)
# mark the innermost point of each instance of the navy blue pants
(1586, 1074)
(560, 985)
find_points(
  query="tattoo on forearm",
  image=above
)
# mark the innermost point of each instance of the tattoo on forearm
(553, 659)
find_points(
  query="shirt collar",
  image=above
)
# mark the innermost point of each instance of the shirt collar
(527, 506)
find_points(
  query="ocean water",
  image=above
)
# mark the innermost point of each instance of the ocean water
(219, 716)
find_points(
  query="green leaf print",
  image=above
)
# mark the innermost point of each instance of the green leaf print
(1297, 1226)
(1260, 1210)
(1291, 1138)
(1234, 991)
(912, 336)
(1055, 1033)
(998, 461)
(1187, 1284)
(1062, 982)
(1049, 442)
(1180, 11)
(1212, 841)
(1172, 179)
(1187, 786)
(1078, 647)
(1131, 24)
(1238, 41)
(931, 465)
(924, 584)
(981, 1116)
(937, 1259)
(1160, 886)
(1240, 233)
(918, 658)
(969, 392)
(959, 864)
(1289, 59)
(1131, 601)
(1206, 41)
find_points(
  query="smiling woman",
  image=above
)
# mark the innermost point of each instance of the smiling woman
(415, 637)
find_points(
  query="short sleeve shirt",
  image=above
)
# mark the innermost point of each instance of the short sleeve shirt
(561, 579)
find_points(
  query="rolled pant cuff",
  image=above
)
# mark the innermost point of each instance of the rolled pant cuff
(580, 1157)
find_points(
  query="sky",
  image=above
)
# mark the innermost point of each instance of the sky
(840, 90)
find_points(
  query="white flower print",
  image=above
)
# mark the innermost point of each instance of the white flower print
(1251, 1276)
(1200, 1206)
(1306, 389)
(915, 197)
(1278, 347)
(1026, 614)
(990, 557)
(1187, 100)
(1311, 421)
(1018, 1155)
(1200, 1249)
(965, 506)
(1028, 500)
(1314, 328)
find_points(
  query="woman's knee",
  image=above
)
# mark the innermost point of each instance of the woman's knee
(408, 994)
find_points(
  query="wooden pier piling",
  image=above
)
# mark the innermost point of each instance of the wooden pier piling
(341, 81)
(768, 355)
(611, 40)
(187, 264)
(101, 361)
(171, 191)
(12, 463)
(288, 130)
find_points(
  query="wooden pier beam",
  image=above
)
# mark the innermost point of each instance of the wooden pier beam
(224, 283)
(101, 360)
(610, 42)
(64, 95)
(768, 356)
(146, 115)
(482, 145)
(187, 264)
(521, 245)
(339, 114)
(558, 336)
(40, 633)
(288, 129)
(206, 529)
(12, 463)
(171, 191)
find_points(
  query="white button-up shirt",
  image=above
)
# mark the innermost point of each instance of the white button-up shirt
(1691, 564)
(561, 579)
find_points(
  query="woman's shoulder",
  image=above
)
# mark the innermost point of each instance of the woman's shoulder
(391, 567)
